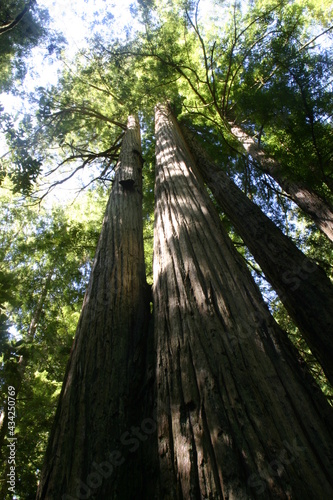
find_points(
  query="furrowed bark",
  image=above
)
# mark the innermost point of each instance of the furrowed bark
(238, 418)
(310, 202)
(302, 286)
(95, 440)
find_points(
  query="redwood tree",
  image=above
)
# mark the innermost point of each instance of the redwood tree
(236, 413)
(312, 204)
(301, 284)
(100, 403)
(237, 416)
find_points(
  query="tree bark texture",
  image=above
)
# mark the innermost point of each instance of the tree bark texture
(238, 417)
(92, 445)
(308, 200)
(302, 286)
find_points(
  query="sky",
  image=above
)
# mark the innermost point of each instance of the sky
(73, 18)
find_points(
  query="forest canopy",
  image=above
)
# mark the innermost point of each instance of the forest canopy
(251, 86)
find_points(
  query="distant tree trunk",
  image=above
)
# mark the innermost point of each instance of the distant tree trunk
(96, 437)
(308, 200)
(302, 286)
(237, 416)
(16, 380)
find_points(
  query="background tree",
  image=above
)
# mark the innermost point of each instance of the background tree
(23, 26)
(296, 279)
(48, 255)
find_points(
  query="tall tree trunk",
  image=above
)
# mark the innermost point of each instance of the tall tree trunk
(308, 200)
(302, 286)
(237, 416)
(95, 430)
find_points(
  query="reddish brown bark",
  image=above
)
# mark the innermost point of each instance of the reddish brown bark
(302, 286)
(237, 416)
(95, 431)
(308, 200)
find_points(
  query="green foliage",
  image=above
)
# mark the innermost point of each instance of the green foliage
(148, 153)
(285, 322)
(23, 26)
(20, 164)
(49, 252)
(287, 95)
(256, 64)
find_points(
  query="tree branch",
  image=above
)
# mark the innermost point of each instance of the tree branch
(315, 38)
(15, 22)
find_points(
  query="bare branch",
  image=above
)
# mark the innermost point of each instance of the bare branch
(315, 38)
(86, 111)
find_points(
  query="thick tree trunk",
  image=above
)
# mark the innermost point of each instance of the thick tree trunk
(237, 416)
(310, 202)
(302, 286)
(96, 425)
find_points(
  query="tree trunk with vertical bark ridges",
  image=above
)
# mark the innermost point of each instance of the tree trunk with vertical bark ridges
(95, 435)
(237, 416)
(302, 286)
(320, 211)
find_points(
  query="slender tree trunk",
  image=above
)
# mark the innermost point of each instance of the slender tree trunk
(302, 286)
(16, 380)
(237, 416)
(96, 439)
(308, 200)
